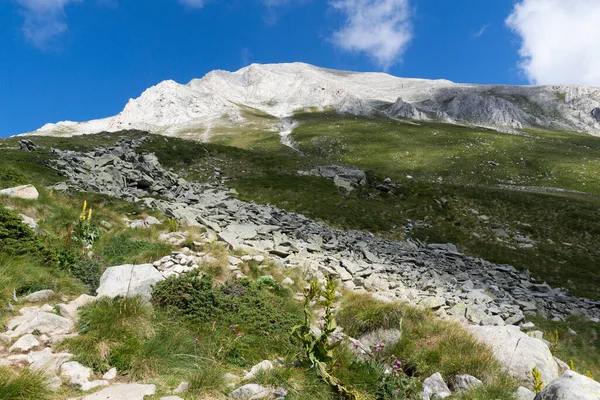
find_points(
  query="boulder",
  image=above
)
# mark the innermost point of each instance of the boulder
(261, 366)
(69, 310)
(79, 375)
(27, 192)
(253, 391)
(132, 391)
(518, 352)
(524, 394)
(30, 222)
(39, 296)
(37, 320)
(388, 336)
(571, 386)
(47, 361)
(110, 374)
(434, 387)
(24, 344)
(129, 280)
(466, 382)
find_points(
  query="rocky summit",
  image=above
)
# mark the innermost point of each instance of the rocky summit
(222, 100)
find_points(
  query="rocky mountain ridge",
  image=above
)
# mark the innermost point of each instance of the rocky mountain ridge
(278, 91)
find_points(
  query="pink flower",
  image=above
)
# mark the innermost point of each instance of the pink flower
(356, 345)
(196, 340)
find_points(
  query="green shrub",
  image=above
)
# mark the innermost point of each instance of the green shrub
(11, 177)
(23, 385)
(123, 248)
(17, 239)
(87, 270)
(253, 306)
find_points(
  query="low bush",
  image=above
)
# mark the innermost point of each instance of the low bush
(363, 314)
(87, 270)
(256, 307)
(17, 239)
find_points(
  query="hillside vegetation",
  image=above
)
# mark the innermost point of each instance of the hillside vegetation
(445, 186)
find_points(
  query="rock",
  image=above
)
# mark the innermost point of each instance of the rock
(47, 361)
(30, 222)
(466, 382)
(129, 280)
(253, 391)
(24, 344)
(110, 374)
(234, 260)
(435, 387)
(70, 310)
(287, 281)
(150, 220)
(562, 366)
(28, 145)
(39, 296)
(432, 302)
(42, 322)
(183, 386)
(524, 394)
(27, 192)
(262, 366)
(132, 391)
(171, 398)
(388, 336)
(518, 352)
(80, 376)
(571, 386)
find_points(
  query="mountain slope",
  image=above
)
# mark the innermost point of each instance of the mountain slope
(280, 90)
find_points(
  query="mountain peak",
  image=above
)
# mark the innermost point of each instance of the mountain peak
(280, 90)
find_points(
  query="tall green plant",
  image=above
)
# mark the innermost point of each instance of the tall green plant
(316, 347)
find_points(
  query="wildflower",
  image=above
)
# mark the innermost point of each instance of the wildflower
(196, 340)
(239, 335)
(356, 345)
(396, 391)
(89, 217)
(82, 215)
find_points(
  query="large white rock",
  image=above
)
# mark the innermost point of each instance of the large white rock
(30, 222)
(518, 352)
(79, 375)
(133, 391)
(129, 280)
(37, 320)
(27, 192)
(571, 386)
(253, 391)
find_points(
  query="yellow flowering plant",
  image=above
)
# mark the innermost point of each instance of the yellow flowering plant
(85, 231)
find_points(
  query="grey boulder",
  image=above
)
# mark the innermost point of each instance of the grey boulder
(27, 192)
(129, 280)
(571, 386)
(434, 387)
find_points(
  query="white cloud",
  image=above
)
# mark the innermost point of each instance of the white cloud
(559, 40)
(481, 31)
(379, 28)
(44, 20)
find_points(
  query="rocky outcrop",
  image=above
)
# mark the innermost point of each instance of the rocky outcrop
(346, 178)
(464, 288)
(402, 109)
(131, 391)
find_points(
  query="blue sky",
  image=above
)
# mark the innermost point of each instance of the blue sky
(83, 59)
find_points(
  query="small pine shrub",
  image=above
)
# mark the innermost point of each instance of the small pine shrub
(256, 307)
(17, 239)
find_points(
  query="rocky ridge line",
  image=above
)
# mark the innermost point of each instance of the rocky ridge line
(280, 90)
